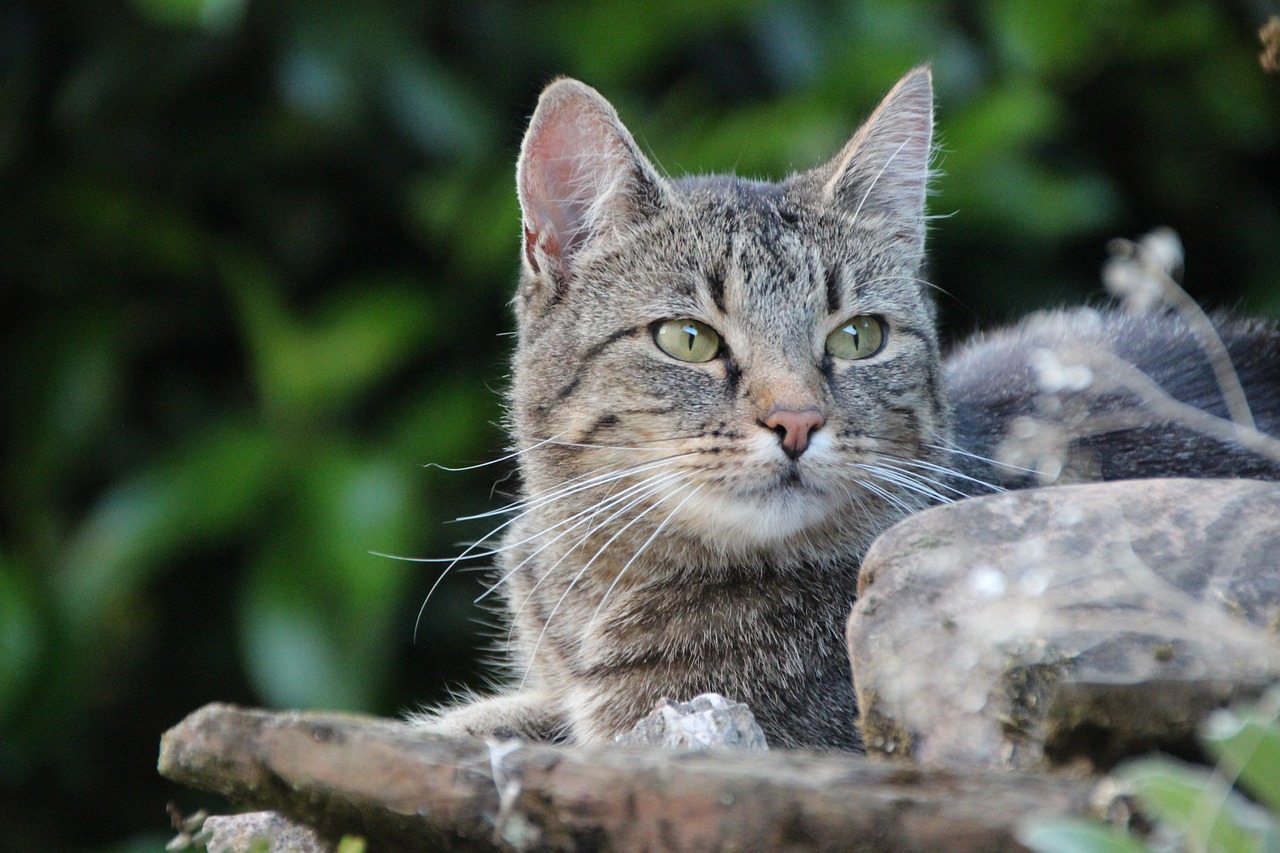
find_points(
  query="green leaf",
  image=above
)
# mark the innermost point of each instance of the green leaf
(1246, 744)
(1076, 836)
(473, 216)
(1196, 802)
(307, 366)
(452, 423)
(22, 639)
(351, 506)
(213, 15)
(639, 36)
(294, 656)
(319, 610)
(128, 226)
(204, 490)
(761, 139)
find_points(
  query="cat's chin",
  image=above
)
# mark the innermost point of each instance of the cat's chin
(764, 519)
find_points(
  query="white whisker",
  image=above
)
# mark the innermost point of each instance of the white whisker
(899, 463)
(649, 485)
(644, 547)
(876, 179)
(509, 545)
(949, 472)
(615, 446)
(907, 480)
(888, 496)
(572, 486)
(512, 455)
(917, 280)
(581, 572)
(980, 458)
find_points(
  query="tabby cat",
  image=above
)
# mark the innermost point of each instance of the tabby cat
(724, 389)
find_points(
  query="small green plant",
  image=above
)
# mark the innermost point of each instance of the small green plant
(1194, 809)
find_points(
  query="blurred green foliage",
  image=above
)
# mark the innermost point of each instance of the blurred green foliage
(1187, 807)
(258, 256)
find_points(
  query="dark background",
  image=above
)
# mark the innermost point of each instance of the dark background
(255, 262)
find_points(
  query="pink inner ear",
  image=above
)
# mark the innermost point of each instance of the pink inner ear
(560, 181)
(579, 173)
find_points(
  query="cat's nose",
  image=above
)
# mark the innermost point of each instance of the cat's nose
(794, 428)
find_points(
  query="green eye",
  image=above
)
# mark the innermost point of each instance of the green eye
(859, 337)
(687, 340)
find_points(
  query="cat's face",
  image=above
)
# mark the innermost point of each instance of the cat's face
(751, 365)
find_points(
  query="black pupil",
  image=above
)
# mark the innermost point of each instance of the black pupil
(691, 334)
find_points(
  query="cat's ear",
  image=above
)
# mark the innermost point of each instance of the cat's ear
(580, 176)
(882, 174)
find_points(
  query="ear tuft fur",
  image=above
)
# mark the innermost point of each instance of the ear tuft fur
(883, 171)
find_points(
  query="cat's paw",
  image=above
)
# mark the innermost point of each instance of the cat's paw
(524, 714)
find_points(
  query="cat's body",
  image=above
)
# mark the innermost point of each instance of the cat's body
(992, 382)
(723, 391)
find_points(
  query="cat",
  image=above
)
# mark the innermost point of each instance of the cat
(725, 389)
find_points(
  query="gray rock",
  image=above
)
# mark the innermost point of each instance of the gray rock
(1030, 629)
(244, 833)
(709, 721)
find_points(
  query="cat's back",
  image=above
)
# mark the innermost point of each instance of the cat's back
(1087, 394)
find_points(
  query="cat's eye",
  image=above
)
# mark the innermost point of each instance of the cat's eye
(687, 340)
(858, 337)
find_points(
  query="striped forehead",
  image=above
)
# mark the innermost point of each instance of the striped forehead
(772, 266)
(756, 264)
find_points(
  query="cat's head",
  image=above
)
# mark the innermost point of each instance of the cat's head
(756, 362)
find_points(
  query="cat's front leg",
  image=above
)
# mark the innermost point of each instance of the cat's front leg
(528, 714)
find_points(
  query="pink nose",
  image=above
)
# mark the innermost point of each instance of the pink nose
(794, 428)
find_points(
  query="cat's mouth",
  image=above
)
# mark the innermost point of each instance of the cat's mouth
(790, 478)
